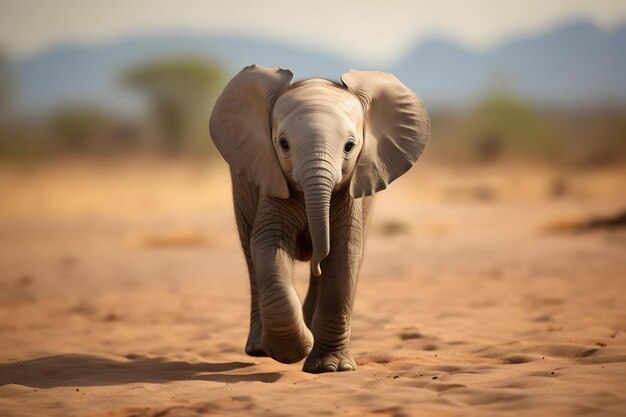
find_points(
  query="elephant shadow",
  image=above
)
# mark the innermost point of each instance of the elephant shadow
(85, 370)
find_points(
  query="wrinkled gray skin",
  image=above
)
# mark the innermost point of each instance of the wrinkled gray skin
(305, 159)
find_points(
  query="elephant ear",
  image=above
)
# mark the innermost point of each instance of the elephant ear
(240, 126)
(396, 129)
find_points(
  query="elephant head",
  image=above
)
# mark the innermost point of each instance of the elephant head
(316, 136)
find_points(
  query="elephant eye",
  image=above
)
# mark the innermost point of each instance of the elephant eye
(348, 147)
(284, 145)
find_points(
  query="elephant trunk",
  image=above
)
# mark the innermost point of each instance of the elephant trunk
(317, 185)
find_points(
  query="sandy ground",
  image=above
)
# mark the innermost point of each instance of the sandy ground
(123, 293)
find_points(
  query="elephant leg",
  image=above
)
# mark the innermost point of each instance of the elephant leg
(285, 336)
(254, 347)
(245, 203)
(333, 313)
(310, 302)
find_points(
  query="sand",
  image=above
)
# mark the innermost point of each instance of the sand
(123, 293)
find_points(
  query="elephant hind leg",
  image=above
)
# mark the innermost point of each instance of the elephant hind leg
(245, 203)
(310, 302)
(254, 344)
(304, 246)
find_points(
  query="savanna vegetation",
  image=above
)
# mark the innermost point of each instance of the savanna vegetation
(178, 94)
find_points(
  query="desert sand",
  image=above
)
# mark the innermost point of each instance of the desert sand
(123, 292)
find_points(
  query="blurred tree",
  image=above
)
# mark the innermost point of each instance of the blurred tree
(77, 128)
(181, 92)
(503, 123)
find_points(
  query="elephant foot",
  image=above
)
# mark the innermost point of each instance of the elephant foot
(319, 361)
(285, 337)
(288, 349)
(254, 345)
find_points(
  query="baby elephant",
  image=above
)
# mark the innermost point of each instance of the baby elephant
(305, 159)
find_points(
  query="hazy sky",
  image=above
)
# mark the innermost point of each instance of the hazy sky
(369, 31)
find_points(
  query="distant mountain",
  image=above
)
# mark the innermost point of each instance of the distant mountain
(570, 64)
(73, 73)
(573, 63)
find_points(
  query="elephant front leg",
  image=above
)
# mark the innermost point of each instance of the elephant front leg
(285, 337)
(333, 313)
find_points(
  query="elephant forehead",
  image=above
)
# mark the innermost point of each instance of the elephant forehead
(315, 125)
(316, 96)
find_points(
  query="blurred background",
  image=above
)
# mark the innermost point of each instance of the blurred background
(500, 80)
